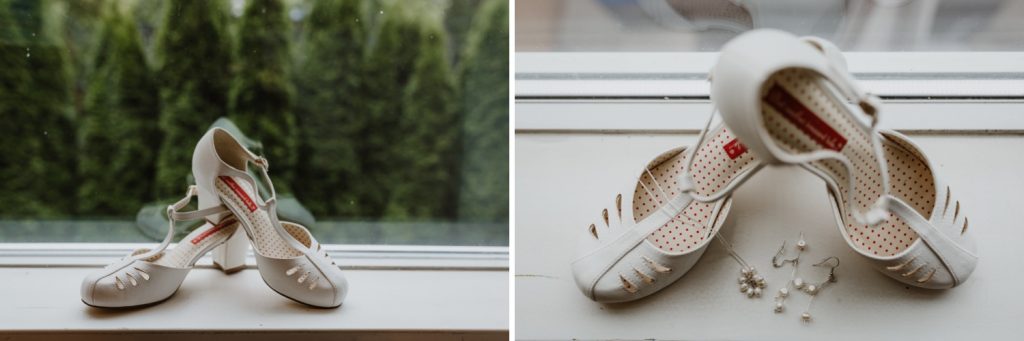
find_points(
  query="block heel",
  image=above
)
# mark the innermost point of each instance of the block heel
(230, 256)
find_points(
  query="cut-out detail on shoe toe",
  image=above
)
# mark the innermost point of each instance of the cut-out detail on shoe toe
(927, 277)
(627, 285)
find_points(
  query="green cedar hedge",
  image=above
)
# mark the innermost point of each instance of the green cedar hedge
(37, 165)
(329, 108)
(194, 56)
(484, 82)
(372, 122)
(261, 96)
(423, 154)
(118, 133)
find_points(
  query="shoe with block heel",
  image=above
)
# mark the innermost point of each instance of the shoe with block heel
(147, 277)
(289, 259)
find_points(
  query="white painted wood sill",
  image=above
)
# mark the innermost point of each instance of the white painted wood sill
(393, 295)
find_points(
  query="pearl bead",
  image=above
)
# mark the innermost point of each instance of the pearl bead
(757, 291)
(778, 307)
(758, 278)
(750, 292)
(806, 317)
(801, 244)
(745, 272)
(744, 287)
(742, 280)
(811, 289)
(798, 282)
(783, 292)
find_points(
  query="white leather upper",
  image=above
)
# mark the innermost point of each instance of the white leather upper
(151, 276)
(749, 61)
(622, 247)
(100, 288)
(943, 244)
(219, 161)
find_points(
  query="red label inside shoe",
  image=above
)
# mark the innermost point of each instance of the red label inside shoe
(214, 229)
(803, 118)
(734, 149)
(241, 193)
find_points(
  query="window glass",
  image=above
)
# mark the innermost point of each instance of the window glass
(384, 122)
(704, 25)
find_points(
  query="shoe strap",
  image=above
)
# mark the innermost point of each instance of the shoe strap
(173, 215)
(839, 73)
(870, 105)
(264, 166)
(685, 179)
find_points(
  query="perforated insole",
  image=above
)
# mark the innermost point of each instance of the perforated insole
(802, 115)
(716, 164)
(199, 241)
(239, 195)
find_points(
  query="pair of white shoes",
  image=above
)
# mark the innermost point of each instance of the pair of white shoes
(790, 101)
(289, 259)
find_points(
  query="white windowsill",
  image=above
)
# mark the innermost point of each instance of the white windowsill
(565, 180)
(586, 122)
(451, 293)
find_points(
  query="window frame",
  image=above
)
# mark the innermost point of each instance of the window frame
(622, 92)
(349, 257)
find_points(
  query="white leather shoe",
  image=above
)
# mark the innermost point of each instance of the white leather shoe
(151, 276)
(789, 101)
(656, 227)
(290, 260)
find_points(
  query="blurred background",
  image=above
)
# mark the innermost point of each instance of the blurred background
(384, 121)
(704, 25)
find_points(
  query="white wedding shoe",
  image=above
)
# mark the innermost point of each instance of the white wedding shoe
(788, 100)
(151, 276)
(289, 259)
(658, 225)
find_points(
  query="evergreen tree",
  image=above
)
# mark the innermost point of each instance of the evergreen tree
(457, 22)
(390, 65)
(261, 96)
(484, 92)
(194, 57)
(328, 108)
(424, 155)
(119, 133)
(35, 103)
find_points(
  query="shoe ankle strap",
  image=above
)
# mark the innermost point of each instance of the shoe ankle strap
(264, 166)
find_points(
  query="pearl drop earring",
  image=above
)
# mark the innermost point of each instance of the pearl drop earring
(780, 297)
(813, 290)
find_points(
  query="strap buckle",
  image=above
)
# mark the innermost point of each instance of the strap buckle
(262, 162)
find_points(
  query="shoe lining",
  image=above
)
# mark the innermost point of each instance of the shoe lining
(712, 170)
(265, 240)
(909, 177)
(200, 240)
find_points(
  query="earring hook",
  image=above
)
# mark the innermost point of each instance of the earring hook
(795, 260)
(832, 270)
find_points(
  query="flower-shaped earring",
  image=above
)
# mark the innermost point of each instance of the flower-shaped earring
(751, 283)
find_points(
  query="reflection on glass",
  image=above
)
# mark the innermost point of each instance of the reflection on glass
(704, 25)
(384, 121)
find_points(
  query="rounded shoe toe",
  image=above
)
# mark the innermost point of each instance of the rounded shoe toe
(99, 289)
(330, 290)
(609, 289)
